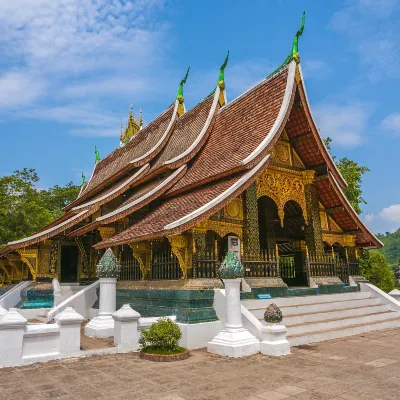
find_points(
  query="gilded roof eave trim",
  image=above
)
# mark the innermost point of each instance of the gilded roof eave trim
(280, 118)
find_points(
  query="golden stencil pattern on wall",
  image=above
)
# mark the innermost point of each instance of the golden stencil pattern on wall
(283, 185)
(44, 259)
(234, 210)
(15, 260)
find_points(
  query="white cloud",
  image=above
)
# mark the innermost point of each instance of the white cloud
(387, 220)
(19, 89)
(392, 123)
(77, 48)
(371, 28)
(345, 124)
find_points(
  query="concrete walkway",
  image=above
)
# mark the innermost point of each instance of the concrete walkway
(359, 367)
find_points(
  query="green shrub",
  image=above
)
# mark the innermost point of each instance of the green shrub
(163, 335)
(374, 267)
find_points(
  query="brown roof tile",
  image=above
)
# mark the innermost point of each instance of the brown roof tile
(186, 130)
(170, 211)
(239, 129)
(120, 159)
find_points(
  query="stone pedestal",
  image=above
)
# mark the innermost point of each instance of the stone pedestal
(103, 324)
(126, 332)
(234, 340)
(70, 331)
(274, 341)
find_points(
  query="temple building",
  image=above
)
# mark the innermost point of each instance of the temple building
(251, 175)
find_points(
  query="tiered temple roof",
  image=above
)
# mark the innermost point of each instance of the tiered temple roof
(189, 165)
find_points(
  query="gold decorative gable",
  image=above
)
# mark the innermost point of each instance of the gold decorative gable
(283, 185)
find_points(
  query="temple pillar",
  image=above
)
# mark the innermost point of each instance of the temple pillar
(251, 234)
(199, 249)
(313, 230)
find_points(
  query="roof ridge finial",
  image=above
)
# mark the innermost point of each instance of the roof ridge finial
(221, 77)
(141, 119)
(295, 47)
(179, 95)
(83, 179)
(97, 154)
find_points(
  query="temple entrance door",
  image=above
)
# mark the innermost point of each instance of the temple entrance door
(285, 236)
(293, 228)
(69, 264)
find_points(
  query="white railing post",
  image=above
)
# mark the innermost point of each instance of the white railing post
(12, 327)
(103, 324)
(126, 332)
(69, 322)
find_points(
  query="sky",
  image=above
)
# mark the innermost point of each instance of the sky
(69, 70)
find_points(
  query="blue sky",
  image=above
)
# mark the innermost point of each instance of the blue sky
(70, 68)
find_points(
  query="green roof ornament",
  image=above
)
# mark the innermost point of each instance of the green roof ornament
(294, 54)
(221, 77)
(231, 267)
(295, 47)
(179, 95)
(98, 158)
(83, 179)
(108, 267)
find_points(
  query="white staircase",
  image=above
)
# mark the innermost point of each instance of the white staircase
(312, 319)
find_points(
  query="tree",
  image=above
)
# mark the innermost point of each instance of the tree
(24, 209)
(391, 248)
(58, 197)
(374, 267)
(352, 172)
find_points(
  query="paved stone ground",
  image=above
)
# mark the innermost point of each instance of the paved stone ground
(361, 367)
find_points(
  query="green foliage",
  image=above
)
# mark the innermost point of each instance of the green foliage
(352, 172)
(374, 267)
(162, 335)
(391, 248)
(24, 209)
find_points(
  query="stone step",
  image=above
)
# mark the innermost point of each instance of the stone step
(304, 300)
(308, 328)
(289, 310)
(319, 336)
(298, 319)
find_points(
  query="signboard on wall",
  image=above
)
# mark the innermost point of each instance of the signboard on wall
(234, 245)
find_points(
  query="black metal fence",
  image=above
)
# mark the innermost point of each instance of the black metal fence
(165, 265)
(322, 265)
(130, 268)
(287, 268)
(263, 264)
(206, 266)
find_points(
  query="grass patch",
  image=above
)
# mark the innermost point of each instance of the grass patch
(163, 352)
